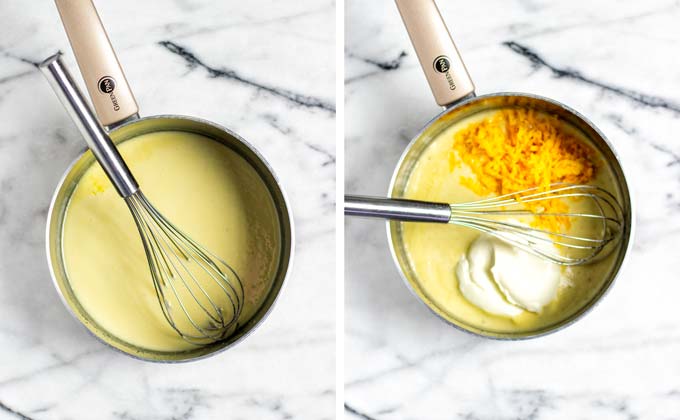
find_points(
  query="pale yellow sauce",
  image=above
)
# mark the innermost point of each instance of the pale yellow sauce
(208, 191)
(433, 250)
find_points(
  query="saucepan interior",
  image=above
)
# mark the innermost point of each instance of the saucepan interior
(466, 109)
(128, 131)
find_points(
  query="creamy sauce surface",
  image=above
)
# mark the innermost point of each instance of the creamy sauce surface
(433, 251)
(208, 191)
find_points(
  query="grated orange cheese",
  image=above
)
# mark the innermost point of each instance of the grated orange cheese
(517, 149)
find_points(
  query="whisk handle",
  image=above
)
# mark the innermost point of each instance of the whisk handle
(397, 209)
(96, 137)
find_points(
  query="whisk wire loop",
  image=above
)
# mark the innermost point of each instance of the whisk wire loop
(183, 268)
(490, 215)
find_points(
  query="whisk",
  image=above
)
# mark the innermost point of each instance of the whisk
(601, 224)
(200, 295)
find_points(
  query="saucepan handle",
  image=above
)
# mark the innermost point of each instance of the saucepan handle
(106, 83)
(439, 58)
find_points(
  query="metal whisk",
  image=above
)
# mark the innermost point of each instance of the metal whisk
(201, 296)
(505, 218)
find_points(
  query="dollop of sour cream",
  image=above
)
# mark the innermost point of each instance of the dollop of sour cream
(505, 280)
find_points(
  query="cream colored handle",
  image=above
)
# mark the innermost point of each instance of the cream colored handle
(439, 58)
(109, 90)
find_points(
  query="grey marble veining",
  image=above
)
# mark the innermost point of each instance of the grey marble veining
(611, 61)
(262, 68)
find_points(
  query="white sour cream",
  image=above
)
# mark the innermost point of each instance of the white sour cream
(504, 280)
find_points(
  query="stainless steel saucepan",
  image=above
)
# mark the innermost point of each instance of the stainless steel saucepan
(117, 109)
(453, 89)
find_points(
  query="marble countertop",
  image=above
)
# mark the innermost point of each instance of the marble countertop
(244, 65)
(615, 62)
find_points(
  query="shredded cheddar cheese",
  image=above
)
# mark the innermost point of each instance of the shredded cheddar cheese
(517, 149)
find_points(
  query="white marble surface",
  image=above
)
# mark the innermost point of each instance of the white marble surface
(266, 70)
(616, 62)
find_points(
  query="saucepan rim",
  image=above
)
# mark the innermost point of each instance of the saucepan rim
(622, 184)
(288, 242)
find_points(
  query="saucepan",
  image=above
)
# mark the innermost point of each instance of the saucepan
(117, 110)
(453, 89)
